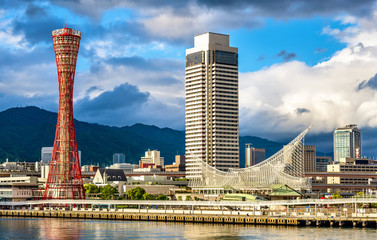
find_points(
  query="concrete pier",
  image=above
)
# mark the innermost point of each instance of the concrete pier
(198, 218)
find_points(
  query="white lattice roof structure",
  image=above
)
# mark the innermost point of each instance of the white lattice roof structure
(284, 167)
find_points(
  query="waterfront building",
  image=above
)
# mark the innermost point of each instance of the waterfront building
(347, 142)
(309, 158)
(152, 157)
(18, 188)
(254, 155)
(119, 158)
(349, 176)
(211, 87)
(322, 162)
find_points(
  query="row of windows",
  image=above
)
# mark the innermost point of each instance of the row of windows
(217, 76)
(223, 67)
(224, 96)
(225, 88)
(227, 153)
(225, 84)
(217, 91)
(196, 76)
(220, 80)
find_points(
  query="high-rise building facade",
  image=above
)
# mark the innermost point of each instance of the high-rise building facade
(254, 155)
(212, 103)
(64, 179)
(309, 158)
(347, 142)
(322, 162)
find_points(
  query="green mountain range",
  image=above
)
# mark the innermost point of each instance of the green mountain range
(25, 130)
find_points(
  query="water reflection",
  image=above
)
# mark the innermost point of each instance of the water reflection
(53, 228)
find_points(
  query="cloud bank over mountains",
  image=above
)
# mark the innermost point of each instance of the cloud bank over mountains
(131, 62)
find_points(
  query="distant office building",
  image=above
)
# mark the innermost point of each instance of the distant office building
(152, 157)
(309, 158)
(178, 166)
(46, 153)
(254, 155)
(119, 158)
(180, 159)
(322, 162)
(212, 103)
(347, 142)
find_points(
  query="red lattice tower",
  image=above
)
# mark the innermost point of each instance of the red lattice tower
(64, 177)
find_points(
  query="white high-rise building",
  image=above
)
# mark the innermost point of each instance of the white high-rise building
(212, 102)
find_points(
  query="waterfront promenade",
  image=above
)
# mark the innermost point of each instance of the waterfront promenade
(302, 212)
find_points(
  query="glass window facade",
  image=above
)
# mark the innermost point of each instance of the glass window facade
(347, 143)
(228, 58)
(194, 58)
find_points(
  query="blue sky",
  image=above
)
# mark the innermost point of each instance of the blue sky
(301, 62)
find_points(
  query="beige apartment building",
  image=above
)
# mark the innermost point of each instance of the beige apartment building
(212, 103)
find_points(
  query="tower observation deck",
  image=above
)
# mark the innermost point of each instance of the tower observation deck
(64, 178)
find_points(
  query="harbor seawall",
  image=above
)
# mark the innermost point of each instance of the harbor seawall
(199, 218)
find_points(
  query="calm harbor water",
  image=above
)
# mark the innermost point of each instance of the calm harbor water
(50, 228)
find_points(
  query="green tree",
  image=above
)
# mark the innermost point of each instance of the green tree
(148, 196)
(188, 198)
(336, 195)
(162, 197)
(179, 198)
(135, 193)
(359, 194)
(108, 192)
(91, 188)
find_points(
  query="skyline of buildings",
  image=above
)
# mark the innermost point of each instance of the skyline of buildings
(212, 102)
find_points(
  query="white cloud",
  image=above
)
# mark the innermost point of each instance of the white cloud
(7, 39)
(270, 97)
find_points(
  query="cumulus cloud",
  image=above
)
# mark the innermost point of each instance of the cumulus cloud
(126, 104)
(292, 95)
